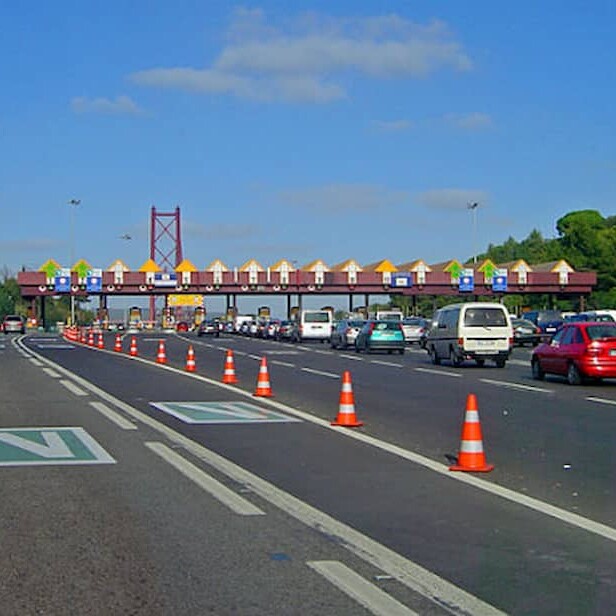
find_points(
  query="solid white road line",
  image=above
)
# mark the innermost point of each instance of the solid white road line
(439, 372)
(351, 357)
(386, 363)
(282, 363)
(227, 497)
(321, 373)
(73, 388)
(51, 372)
(36, 362)
(352, 584)
(111, 415)
(509, 385)
(601, 400)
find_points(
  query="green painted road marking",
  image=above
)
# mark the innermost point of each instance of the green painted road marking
(221, 412)
(38, 446)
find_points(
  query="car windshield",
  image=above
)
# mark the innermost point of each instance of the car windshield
(485, 317)
(596, 332)
(316, 317)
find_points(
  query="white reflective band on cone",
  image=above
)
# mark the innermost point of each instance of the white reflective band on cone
(471, 447)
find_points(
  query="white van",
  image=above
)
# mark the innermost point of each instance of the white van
(476, 330)
(314, 325)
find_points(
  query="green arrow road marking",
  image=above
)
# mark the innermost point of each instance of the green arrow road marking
(221, 412)
(53, 447)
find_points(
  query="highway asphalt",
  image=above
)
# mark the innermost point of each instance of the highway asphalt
(535, 536)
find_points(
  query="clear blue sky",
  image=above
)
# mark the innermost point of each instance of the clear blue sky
(301, 130)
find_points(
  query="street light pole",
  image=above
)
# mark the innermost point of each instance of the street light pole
(473, 207)
(73, 203)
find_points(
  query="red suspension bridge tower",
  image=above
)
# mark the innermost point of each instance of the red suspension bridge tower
(165, 244)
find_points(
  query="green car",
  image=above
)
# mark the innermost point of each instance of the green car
(380, 336)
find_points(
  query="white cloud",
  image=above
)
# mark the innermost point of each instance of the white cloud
(120, 105)
(450, 198)
(344, 197)
(306, 59)
(469, 121)
(393, 126)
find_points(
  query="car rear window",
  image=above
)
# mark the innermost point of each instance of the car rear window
(316, 317)
(12, 318)
(596, 332)
(387, 325)
(485, 317)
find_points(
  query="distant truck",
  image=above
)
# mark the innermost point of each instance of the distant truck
(389, 315)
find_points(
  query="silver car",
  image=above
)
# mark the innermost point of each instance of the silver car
(13, 324)
(345, 332)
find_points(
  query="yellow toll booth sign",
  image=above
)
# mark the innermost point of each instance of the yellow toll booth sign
(185, 300)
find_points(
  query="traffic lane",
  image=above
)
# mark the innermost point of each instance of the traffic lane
(390, 499)
(137, 537)
(543, 442)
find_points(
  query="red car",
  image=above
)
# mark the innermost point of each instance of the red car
(181, 326)
(578, 351)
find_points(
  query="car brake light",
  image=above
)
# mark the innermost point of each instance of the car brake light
(461, 341)
(371, 327)
(511, 340)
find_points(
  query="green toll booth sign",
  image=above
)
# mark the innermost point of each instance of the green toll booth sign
(50, 446)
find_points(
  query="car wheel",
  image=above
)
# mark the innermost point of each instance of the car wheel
(537, 370)
(401, 351)
(436, 360)
(574, 376)
(480, 362)
(455, 359)
(500, 363)
(333, 344)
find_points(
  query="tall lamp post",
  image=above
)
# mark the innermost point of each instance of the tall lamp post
(473, 207)
(73, 203)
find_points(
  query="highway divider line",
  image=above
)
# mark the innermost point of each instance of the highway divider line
(441, 592)
(601, 400)
(52, 373)
(74, 389)
(331, 375)
(212, 486)
(35, 362)
(529, 502)
(111, 415)
(510, 385)
(386, 363)
(282, 363)
(353, 357)
(355, 586)
(439, 372)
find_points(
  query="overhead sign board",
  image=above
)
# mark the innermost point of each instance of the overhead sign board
(467, 280)
(499, 280)
(62, 284)
(185, 300)
(165, 279)
(401, 279)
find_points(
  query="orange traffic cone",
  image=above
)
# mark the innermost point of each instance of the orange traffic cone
(161, 356)
(101, 342)
(471, 456)
(346, 409)
(82, 338)
(91, 338)
(263, 389)
(229, 373)
(133, 347)
(117, 347)
(190, 359)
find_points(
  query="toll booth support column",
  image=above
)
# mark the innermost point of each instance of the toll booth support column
(43, 318)
(288, 305)
(351, 303)
(367, 303)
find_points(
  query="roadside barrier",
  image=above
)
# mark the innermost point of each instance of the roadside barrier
(161, 355)
(117, 347)
(471, 457)
(191, 365)
(101, 342)
(229, 373)
(82, 338)
(346, 407)
(264, 388)
(133, 347)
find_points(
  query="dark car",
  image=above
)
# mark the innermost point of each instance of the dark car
(380, 336)
(525, 332)
(209, 328)
(549, 321)
(578, 351)
(285, 330)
